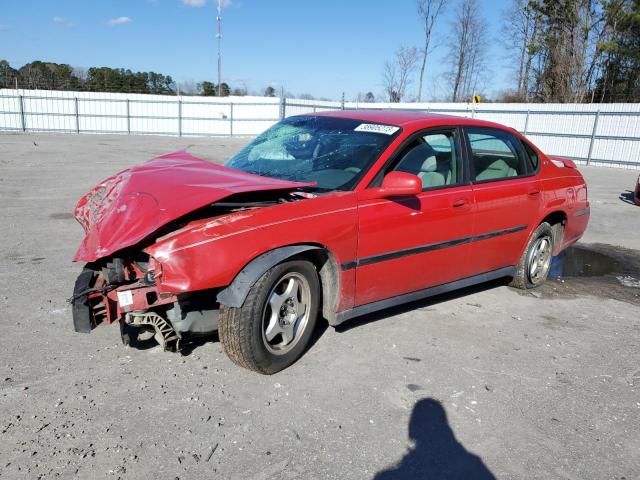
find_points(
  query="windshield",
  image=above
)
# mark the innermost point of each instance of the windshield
(333, 152)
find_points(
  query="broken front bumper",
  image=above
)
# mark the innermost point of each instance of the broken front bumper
(96, 302)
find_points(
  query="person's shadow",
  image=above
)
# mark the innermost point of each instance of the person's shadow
(436, 455)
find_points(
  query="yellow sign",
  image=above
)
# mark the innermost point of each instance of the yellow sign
(476, 99)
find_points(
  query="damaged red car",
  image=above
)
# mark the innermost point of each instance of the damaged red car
(330, 215)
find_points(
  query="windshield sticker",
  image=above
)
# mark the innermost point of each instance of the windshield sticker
(376, 128)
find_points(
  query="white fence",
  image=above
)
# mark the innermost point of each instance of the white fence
(599, 134)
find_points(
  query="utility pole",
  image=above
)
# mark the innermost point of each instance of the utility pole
(219, 38)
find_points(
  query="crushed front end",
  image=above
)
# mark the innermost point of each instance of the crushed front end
(132, 210)
(124, 290)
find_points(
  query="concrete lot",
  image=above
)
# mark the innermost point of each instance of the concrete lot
(486, 383)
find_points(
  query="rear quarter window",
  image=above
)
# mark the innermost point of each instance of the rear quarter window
(534, 159)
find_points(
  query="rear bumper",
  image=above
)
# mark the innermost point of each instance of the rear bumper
(575, 227)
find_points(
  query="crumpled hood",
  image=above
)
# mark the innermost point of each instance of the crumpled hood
(126, 208)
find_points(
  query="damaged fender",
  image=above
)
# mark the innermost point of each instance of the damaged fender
(235, 294)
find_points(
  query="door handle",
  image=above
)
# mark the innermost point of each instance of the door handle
(459, 203)
(534, 192)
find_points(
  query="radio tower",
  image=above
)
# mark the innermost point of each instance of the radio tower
(219, 38)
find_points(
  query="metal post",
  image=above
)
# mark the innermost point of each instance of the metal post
(231, 119)
(283, 107)
(179, 118)
(219, 39)
(593, 136)
(342, 102)
(128, 119)
(22, 122)
(314, 109)
(526, 122)
(75, 102)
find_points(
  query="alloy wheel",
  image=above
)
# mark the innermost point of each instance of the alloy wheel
(539, 260)
(286, 313)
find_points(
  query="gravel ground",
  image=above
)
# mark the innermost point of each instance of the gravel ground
(484, 383)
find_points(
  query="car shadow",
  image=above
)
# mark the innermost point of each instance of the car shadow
(627, 197)
(420, 304)
(436, 453)
(190, 344)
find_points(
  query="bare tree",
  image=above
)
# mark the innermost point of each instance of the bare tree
(522, 31)
(397, 73)
(81, 73)
(188, 87)
(429, 11)
(573, 33)
(467, 49)
(609, 62)
(591, 36)
(368, 97)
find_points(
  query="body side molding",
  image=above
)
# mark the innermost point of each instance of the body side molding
(584, 211)
(429, 247)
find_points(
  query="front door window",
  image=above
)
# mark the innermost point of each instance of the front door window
(433, 158)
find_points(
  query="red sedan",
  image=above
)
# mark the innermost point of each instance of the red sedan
(336, 215)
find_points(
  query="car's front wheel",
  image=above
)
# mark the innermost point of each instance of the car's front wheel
(274, 325)
(534, 266)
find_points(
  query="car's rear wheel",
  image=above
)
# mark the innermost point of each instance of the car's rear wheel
(533, 268)
(274, 325)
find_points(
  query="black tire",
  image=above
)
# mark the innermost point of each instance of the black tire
(241, 330)
(523, 279)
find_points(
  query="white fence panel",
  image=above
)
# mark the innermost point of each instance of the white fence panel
(576, 148)
(601, 134)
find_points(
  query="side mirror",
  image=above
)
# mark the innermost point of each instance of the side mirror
(395, 184)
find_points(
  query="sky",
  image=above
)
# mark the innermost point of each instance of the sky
(322, 48)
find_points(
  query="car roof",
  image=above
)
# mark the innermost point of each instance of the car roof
(406, 118)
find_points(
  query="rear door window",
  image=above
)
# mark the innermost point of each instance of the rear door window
(495, 155)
